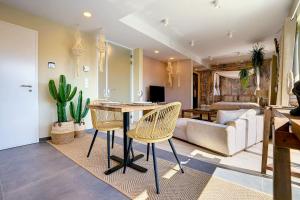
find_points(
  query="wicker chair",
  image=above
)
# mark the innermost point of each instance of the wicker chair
(156, 126)
(105, 121)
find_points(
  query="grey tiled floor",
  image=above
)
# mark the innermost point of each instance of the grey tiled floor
(39, 172)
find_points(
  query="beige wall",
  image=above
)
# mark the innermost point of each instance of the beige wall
(137, 75)
(184, 92)
(154, 73)
(54, 44)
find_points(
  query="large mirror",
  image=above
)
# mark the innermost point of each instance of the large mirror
(115, 80)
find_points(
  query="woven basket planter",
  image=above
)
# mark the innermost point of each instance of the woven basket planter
(62, 133)
(79, 129)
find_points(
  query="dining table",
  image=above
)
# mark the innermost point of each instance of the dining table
(126, 109)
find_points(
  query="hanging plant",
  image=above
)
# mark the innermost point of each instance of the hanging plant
(244, 78)
(257, 57)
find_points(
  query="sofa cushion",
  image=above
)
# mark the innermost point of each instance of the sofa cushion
(224, 116)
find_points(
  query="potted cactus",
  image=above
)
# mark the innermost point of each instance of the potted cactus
(63, 130)
(78, 115)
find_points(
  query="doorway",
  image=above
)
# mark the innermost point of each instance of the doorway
(18, 86)
(195, 90)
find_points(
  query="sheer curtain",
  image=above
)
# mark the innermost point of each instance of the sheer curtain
(296, 67)
(227, 74)
(289, 63)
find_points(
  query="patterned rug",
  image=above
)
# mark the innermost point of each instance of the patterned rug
(192, 184)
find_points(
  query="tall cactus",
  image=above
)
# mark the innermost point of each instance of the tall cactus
(62, 96)
(80, 112)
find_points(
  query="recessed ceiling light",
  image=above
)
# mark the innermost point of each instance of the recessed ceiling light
(171, 58)
(215, 4)
(230, 34)
(156, 51)
(87, 14)
(165, 21)
(192, 43)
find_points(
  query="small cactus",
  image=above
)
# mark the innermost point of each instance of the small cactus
(62, 96)
(81, 111)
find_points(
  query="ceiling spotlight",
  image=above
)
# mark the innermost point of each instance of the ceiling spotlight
(215, 4)
(156, 51)
(230, 34)
(87, 14)
(165, 21)
(192, 43)
(171, 58)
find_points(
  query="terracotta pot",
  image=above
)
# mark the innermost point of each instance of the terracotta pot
(79, 129)
(62, 133)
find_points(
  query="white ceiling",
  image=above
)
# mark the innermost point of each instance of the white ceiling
(136, 23)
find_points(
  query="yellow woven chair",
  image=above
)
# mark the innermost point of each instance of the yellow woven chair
(105, 121)
(156, 126)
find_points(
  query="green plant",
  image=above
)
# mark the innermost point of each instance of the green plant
(80, 113)
(257, 57)
(62, 96)
(244, 78)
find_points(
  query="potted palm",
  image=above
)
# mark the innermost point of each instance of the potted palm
(257, 59)
(244, 78)
(63, 130)
(79, 114)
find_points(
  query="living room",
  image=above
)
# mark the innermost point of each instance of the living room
(132, 99)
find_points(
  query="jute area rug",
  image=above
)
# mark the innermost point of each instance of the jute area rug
(192, 184)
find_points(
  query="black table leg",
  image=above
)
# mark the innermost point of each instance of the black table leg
(126, 124)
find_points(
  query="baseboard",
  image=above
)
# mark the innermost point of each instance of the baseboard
(44, 139)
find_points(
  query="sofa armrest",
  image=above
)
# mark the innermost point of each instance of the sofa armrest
(180, 129)
(217, 137)
(240, 133)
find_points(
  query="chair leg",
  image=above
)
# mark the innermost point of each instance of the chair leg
(148, 149)
(175, 154)
(155, 169)
(132, 153)
(108, 148)
(127, 156)
(92, 144)
(112, 139)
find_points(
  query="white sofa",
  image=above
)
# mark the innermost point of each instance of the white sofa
(233, 131)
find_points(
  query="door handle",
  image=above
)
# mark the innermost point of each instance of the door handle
(26, 86)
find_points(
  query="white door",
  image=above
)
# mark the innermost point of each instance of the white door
(18, 86)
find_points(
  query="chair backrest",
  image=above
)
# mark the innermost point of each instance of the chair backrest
(100, 117)
(159, 123)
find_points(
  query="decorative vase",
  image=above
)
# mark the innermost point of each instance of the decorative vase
(79, 129)
(62, 133)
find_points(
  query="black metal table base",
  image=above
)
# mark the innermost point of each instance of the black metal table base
(130, 164)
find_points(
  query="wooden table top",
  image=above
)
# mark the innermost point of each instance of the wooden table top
(200, 110)
(124, 107)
